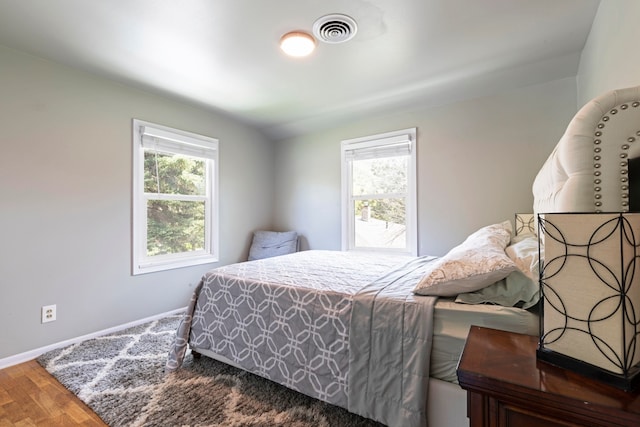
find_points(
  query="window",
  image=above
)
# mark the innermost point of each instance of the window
(175, 215)
(379, 192)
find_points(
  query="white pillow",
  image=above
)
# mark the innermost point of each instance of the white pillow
(476, 263)
(524, 253)
(519, 288)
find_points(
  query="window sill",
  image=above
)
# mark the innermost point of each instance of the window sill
(155, 266)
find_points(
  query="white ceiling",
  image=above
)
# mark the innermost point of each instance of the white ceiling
(224, 54)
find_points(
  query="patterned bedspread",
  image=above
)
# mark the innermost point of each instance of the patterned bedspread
(289, 319)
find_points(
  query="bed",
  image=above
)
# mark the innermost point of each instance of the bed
(325, 322)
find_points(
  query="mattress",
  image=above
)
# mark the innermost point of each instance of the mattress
(451, 324)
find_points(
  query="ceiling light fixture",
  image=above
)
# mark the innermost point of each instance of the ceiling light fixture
(297, 43)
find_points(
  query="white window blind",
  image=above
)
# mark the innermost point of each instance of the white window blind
(386, 147)
(170, 142)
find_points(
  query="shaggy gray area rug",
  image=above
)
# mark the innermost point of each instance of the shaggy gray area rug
(121, 377)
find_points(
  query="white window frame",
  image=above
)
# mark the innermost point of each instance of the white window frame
(402, 139)
(172, 141)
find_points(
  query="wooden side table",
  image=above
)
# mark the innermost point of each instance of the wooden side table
(507, 386)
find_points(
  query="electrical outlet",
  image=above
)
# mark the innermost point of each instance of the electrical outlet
(48, 313)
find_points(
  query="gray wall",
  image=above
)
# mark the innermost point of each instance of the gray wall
(476, 162)
(65, 201)
(611, 58)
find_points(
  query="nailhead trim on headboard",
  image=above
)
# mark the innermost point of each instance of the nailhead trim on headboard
(588, 170)
(597, 180)
(624, 162)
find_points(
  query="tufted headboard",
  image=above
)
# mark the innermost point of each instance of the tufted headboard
(589, 169)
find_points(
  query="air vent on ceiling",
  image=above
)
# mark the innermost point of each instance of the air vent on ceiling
(335, 28)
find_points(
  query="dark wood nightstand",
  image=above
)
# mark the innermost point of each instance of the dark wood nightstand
(507, 386)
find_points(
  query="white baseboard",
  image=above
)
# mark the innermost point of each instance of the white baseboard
(30, 355)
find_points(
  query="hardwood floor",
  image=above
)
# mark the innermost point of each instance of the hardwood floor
(30, 396)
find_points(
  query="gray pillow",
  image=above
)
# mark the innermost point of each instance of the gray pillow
(268, 244)
(516, 290)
